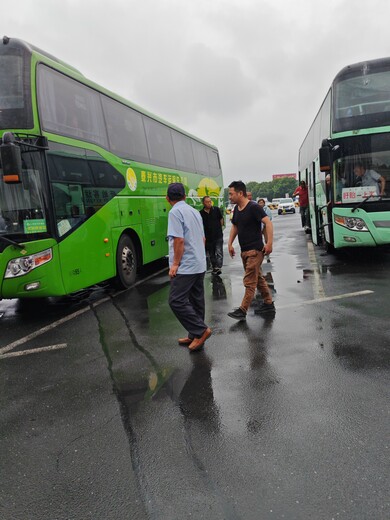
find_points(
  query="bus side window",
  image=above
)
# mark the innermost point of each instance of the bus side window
(105, 175)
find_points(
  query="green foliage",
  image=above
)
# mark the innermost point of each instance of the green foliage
(269, 189)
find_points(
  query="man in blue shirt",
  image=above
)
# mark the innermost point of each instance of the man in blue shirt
(187, 266)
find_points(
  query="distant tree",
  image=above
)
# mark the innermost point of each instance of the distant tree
(283, 186)
(253, 187)
(268, 189)
(265, 190)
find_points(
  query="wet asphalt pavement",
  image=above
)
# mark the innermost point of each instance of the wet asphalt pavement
(274, 418)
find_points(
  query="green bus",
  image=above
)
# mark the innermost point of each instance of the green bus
(345, 159)
(83, 178)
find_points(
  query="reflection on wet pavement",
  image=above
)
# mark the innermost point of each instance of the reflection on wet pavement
(275, 415)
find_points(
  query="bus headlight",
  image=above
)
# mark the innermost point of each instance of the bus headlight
(352, 223)
(25, 264)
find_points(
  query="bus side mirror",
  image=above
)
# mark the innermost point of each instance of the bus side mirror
(11, 160)
(325, 159)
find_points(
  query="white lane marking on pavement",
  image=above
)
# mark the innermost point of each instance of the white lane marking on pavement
(33, 335)
(55, 324)
(34, 351)
(318, 288)
(325, 299)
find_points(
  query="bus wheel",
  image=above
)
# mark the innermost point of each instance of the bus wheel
(126, 262)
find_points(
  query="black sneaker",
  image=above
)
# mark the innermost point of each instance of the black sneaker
(266, 308)
(218, 271)
(238, 314)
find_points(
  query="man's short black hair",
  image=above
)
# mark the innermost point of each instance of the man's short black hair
(238, 186)
(205, 197)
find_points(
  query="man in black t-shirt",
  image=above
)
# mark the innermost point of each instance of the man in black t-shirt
(246, 223)
(213, 229)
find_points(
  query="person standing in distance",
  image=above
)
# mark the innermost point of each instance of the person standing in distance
(301, 190)
(268, 212)
(187, 267)
(246, 223)
(213, 229)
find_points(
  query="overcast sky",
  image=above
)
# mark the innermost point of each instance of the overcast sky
(246, 75)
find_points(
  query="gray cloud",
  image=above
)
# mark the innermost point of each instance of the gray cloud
(246, 75)
(199, 82)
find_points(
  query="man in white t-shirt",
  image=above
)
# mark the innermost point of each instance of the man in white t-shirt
(370, 178)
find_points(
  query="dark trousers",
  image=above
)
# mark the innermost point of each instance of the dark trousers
(304, 211)
(214, 248)
(186, 299)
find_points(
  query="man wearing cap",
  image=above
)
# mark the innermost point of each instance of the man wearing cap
(187, 266)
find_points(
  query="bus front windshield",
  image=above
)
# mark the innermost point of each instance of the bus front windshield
(362, 101)
(22, 207)
(363, 172)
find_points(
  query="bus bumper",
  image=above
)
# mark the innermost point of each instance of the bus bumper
(346, 238)
(42, 281)
(377, 235)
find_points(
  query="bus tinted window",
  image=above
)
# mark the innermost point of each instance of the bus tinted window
(11, 82)
(160, 143)
(80, 185)
(105, 175)
(183, 151)
(362, 101)
(125, 131)
(15, 94)
(69, 169)
(69, 108)
(201, 161)
(213, 161)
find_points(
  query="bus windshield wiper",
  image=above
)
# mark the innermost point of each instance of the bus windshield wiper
(12, 242)
(360, 204)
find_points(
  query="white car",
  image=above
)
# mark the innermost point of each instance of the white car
(286, 206)
(275, 203)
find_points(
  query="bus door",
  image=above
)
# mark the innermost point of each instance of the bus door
(86, 253)
(84, 187)
(313, 204)
(324, 210)
(154, 227)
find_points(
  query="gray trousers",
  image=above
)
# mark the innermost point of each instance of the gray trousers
(214, 249)
(186, 299)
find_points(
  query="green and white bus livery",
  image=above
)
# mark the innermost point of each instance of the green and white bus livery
(83, 178)
(349, 140)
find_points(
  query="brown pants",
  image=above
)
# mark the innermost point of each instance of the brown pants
(253, 278)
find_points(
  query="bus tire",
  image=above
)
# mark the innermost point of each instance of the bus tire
(126, 262)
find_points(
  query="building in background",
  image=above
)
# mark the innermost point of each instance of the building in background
(284, 176)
